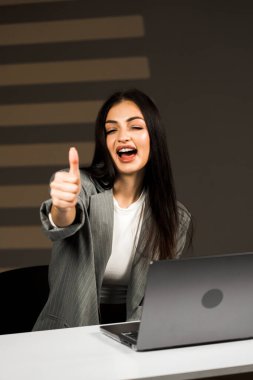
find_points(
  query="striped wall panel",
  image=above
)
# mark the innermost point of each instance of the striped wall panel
(58, 61)
(43, 154)
(72, 30)
(75, 71)
(48, 113)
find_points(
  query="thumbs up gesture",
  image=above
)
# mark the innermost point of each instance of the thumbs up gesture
(64, 190)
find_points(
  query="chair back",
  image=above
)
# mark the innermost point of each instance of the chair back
(23, 293)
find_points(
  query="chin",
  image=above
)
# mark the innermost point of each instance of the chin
(129, 171)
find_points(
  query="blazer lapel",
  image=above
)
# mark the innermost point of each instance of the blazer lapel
(136, 287)
(101, 221)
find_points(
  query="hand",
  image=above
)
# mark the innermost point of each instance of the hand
(65, 189)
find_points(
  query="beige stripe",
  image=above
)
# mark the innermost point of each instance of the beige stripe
(49, 113)
(23, 237)
(23, 196)
(75, 71)
(43, 154)
(72, 30)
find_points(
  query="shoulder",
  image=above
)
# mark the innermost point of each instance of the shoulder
(184, 216)
(89, 184)
(184, 230)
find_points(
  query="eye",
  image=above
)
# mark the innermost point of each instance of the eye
(110, 131)
(136, 127)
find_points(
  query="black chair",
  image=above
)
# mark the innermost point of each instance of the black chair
(23, 293)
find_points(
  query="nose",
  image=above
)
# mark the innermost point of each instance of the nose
(123, 136)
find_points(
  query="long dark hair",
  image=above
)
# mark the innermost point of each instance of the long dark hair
(158, 179)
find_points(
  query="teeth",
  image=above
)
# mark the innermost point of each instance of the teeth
(123, 150)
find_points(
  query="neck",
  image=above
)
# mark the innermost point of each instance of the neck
(127, 189)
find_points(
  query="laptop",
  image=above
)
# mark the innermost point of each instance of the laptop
(191, 301)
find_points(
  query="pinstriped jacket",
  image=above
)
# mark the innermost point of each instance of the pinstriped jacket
(80, 253)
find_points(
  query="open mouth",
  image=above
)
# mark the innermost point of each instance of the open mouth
(126, 152)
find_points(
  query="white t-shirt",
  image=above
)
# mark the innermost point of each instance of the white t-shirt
(126, 230)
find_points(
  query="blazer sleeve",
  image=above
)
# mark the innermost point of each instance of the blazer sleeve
(58, 233)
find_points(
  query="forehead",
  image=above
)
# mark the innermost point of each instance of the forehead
(124, 110)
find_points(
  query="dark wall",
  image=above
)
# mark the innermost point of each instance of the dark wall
(193, 57)
(201, 75)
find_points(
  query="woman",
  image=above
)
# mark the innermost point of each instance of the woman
(110, 220)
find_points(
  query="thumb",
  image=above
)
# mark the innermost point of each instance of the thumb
(73, 162)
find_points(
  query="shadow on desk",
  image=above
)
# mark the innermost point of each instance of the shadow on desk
(23, 293)
(238, 376)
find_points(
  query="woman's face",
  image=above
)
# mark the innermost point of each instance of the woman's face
(127, 138)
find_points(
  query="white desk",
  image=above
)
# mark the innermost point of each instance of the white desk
(85, 354)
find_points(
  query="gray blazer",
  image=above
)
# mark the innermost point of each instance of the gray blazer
(80, 253)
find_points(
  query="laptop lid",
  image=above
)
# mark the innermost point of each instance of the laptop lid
(194, 301)
(197, 300)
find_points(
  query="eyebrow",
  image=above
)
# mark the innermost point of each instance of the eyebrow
(130, 119)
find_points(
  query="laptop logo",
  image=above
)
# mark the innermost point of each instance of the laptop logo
(212, 298)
